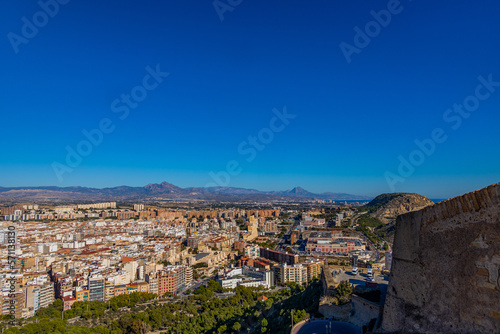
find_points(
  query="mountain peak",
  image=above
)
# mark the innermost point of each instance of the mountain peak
(163, 187)
(299, 191)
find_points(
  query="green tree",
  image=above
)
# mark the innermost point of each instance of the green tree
(269, 303)
(214, 286)
(87, 315)
(236, 327)
(299, 315)
(130, 325)
(345, 288)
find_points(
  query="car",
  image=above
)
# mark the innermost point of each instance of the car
(370, 272)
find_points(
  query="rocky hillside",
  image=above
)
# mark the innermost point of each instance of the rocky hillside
(387, 207)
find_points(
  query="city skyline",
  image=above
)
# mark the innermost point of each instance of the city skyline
(203, 81)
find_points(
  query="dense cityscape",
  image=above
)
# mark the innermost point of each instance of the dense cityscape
(96, 252)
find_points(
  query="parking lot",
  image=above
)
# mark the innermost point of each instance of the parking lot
(359, 279)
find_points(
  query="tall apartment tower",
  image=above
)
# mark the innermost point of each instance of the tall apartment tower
(96, 288)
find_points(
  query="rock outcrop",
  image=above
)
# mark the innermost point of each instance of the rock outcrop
(445, 274)
(387, 207)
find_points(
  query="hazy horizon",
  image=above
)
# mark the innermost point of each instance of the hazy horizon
(243, 187)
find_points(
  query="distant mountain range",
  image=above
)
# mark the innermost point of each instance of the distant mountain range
(162, 191)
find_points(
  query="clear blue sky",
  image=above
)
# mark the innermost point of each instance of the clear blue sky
(353, 120)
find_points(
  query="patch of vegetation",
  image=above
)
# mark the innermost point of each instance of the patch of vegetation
(329, 214)
(370, 221)
(58, 326)
(193, 251)
(200, 265)
(269, 245)
(94, 309)
(344, 292)
(365, 222)
(369, 234)
(197, 313)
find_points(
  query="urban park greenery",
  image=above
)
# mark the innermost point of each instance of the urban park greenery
(201, 312)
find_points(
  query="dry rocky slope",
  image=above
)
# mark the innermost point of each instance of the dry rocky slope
(387, 207)
(445, 275)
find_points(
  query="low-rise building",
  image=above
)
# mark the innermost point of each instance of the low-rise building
(82, 295)
(120, 289)
(68, 302)
(251, 251)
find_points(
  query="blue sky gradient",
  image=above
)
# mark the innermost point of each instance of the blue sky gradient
(353, 120)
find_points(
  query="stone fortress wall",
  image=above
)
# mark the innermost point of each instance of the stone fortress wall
(327, 280)
(445, 274)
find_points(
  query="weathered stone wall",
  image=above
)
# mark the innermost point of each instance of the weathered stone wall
(363, 311)
(446, 265)
(337, 312)
(328, 282)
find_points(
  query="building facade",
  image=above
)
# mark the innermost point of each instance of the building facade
(97, 288)
(284, 273)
